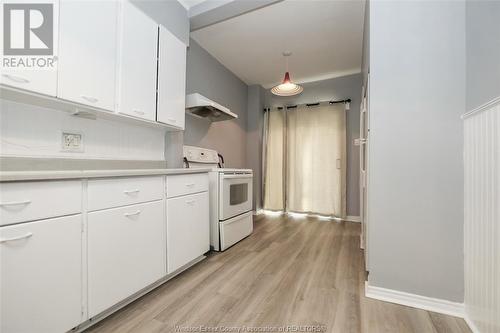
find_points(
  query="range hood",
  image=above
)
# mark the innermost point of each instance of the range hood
(202, 107)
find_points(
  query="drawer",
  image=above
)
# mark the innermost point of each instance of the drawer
(235, 229)
(186, 184)
(126, 252)
(29, 201)
(115, 192)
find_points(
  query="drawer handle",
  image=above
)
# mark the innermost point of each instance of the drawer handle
(139, 112)
(131, 191)
(172, 120)
(15, 78)
(89, 99)
(190, 184)
(15, 203)
(132, 214)
(28, 235)
(191, 202)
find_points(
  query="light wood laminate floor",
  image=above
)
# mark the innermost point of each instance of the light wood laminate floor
(288, 272)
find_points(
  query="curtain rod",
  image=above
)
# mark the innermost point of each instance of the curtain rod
(343, 101)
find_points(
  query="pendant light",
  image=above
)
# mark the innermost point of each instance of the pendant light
(287, 87)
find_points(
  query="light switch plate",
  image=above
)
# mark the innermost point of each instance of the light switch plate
(72, 142)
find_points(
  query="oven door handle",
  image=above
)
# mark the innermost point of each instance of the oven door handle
(239, 176)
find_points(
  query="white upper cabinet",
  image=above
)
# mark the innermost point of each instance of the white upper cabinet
(137, 63)
(171, 80)
(41, 79)
(88, 52)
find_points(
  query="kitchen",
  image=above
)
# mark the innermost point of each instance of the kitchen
(158, 173)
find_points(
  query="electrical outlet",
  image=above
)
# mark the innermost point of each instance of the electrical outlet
(72, 142)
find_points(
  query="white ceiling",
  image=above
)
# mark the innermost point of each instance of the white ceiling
(190, 3)
(325, 37)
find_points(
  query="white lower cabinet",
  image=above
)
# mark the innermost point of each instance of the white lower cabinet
(126, 252)
(46, 286)
(41, 275)
(188, 235)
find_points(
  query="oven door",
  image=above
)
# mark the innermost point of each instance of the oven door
(235, 196)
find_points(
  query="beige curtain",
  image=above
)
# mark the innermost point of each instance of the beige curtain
(315, 160)
(274, 196)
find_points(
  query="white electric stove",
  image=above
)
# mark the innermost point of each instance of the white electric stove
(230, 194)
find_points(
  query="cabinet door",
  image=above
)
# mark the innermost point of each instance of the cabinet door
(171, 80)
(126, 252)
(138, 63)
(44, 79)
(188, 235)
(87, 52)
(41, 275)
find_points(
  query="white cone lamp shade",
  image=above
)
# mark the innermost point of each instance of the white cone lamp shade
(287, 88)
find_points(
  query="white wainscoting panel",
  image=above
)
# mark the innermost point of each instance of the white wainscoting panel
(28, 130)
(482, 217)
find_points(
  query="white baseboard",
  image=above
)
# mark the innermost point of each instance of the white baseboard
(258, 212)
(471, 324)
(415, 301)
(353, 218)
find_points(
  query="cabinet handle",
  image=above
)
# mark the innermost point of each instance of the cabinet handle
(190, 202)
(131, 191)
(28, 235)
(15, 78)
(190, 184)
(89, 99)
(132, 214)
(172, 120)
(138, 112)
(15, 203)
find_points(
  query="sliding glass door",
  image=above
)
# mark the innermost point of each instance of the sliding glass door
(305, 164)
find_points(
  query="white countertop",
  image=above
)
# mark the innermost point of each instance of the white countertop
(8, 176)
(26, 168)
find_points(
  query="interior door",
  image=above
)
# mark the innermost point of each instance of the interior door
(363, 179)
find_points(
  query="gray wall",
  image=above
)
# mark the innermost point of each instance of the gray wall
(365, 61)
(255, 125)
(336, 89)
(483, 52)
(417, 89)
(205, 75)
(169, 13)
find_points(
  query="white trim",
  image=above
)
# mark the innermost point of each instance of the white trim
(484, 107)
(258, 212)
(471, 324)
(353, 218)
(415, 301)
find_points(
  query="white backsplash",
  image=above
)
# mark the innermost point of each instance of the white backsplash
(27, 130)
